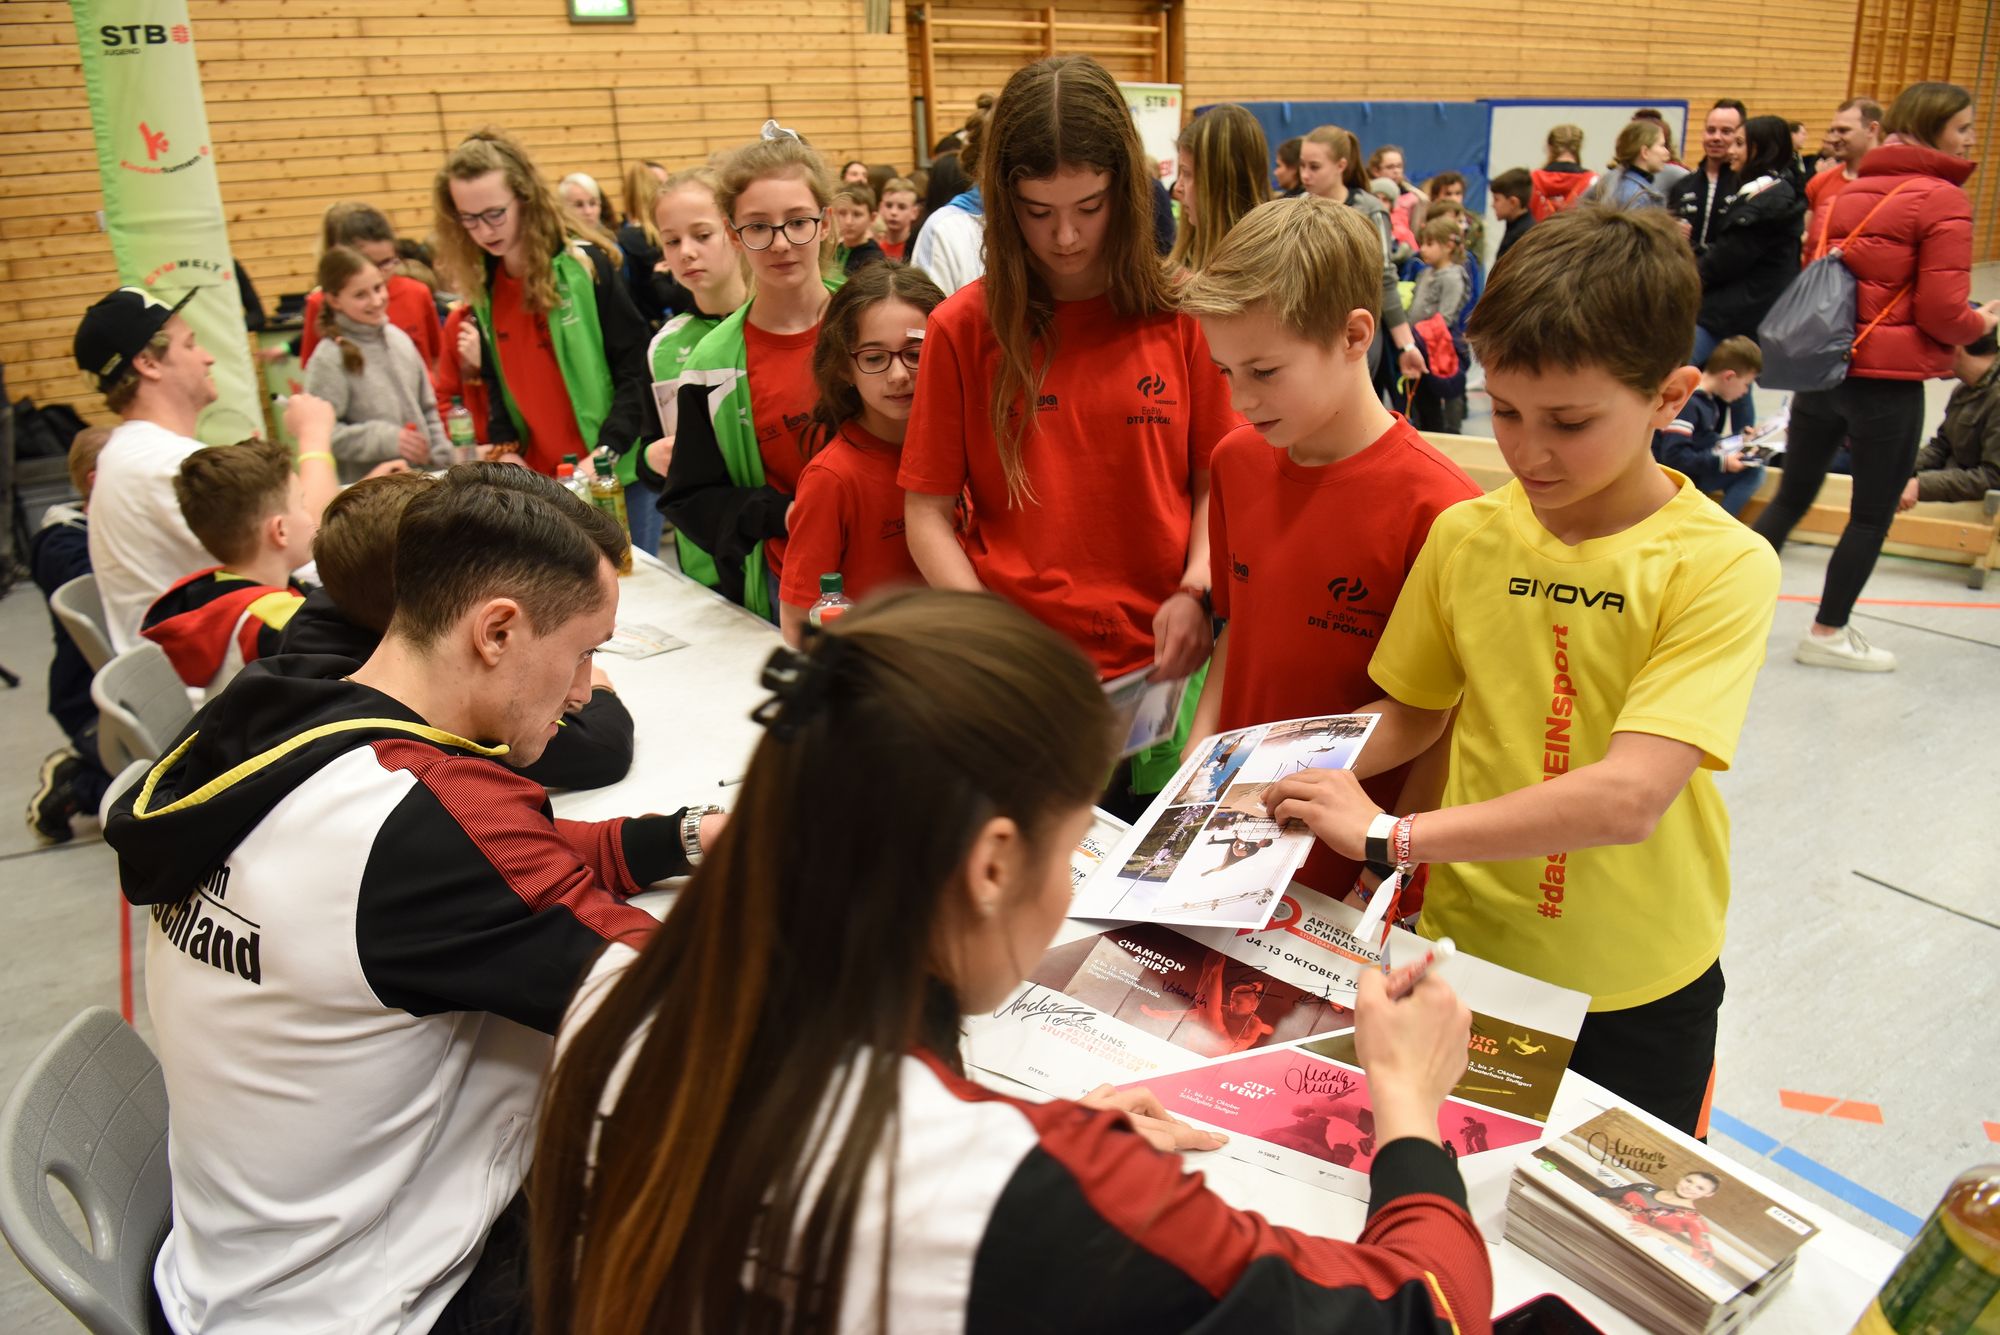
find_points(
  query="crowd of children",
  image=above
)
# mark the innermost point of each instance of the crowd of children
(1194, 468)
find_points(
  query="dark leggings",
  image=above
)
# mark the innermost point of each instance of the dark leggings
(1880, 421)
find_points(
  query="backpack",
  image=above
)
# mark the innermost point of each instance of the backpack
(1808, 337)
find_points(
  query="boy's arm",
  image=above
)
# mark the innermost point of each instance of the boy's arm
(1617, 800)
(1686, 445)
(311, 421)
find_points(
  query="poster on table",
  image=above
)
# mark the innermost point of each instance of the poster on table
(1165, 1007)
(162, 202)
(1206, 853)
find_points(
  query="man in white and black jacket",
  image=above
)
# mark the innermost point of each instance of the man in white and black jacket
(366, 925)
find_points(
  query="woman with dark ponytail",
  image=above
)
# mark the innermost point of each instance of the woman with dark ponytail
(762, 1123)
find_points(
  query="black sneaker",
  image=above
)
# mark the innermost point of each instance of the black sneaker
(54, 802)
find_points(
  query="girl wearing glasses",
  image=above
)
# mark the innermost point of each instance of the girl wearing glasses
(1065, 394)
(849, 514)
(747, 391)
(564, 346)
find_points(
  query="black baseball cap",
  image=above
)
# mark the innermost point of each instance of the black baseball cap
(118, 328)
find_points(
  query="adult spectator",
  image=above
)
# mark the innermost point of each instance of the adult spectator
(364, 918)
(1697, 197)
(1753, 246)
(1655, 115)
(155, 376)
(1854, 132)
(1286, 171)
(1962, 462)
(1912, 267)
(1563, 179)
(1641, 172)
(1513, 190)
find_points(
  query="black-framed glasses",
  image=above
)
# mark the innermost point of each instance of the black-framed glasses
(490, 218)
(759, 236)
(874, 361)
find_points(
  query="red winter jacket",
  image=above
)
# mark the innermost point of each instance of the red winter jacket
(1556, 187)
(1921, 239)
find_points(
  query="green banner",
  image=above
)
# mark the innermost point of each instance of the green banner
(162, 204)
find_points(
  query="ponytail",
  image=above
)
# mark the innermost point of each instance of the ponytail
(337, 268)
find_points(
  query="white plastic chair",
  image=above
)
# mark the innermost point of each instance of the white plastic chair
(80, 609)
(90, 1113)
(142, 705)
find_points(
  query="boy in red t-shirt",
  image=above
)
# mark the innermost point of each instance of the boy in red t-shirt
(1318, 507)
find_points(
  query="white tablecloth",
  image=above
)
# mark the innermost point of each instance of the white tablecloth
(691, 708)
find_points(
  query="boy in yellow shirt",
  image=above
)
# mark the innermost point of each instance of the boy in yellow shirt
(1598, 626)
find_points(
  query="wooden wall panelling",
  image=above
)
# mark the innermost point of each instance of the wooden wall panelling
(362, 98)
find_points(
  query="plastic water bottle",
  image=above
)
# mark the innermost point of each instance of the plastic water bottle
(570, 476)
(458, 429)
(832, 603)
(1948, 1283)
(603, 490)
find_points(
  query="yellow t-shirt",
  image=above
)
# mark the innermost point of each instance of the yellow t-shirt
(1549, 649)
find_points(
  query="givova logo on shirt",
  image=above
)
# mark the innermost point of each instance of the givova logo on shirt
(1522, 586)
(202, 928)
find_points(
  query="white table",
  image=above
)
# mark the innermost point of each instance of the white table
(691, 710)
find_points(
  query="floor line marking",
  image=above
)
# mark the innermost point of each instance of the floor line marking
(1961, 913)
(1841, 1188)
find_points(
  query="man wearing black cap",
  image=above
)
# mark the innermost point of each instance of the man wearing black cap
(155, 377)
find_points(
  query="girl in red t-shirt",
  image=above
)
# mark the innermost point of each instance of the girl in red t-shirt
(1066, 397)
(849, 514)
(570, 384)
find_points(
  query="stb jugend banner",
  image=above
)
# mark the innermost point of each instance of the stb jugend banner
(162, 204)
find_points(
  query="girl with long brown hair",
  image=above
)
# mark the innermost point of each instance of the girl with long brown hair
(1221, 177)
(1330, 167)
(762, 1123)
(561, 341)
(1068, 399)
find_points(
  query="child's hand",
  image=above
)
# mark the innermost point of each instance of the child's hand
(1330, 803)
(468, 348)
(660, 454)
(1182, 637)
(1732, 463)
(1909, 497)
(414, 445)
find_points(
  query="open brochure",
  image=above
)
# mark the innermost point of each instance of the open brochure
(1653, 1225)
(1761, 441)
(1205, 851)
(1188, 1012)
(1148, 711)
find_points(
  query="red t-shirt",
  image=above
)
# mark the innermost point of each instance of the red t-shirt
(1308, 563)
(1129, 411)
(534, 378)
(1821, 191)
(893, 249)
(782, 395)
(411, 309)
(850, 519)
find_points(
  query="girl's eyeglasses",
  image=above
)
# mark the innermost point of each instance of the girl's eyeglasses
(759, 236)
(874, 361)
(489, 219)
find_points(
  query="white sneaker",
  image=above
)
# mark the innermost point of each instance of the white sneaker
(1844, 649)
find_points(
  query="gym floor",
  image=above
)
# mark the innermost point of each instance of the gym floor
(1864, 942)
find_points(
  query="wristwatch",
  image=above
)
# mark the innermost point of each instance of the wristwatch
(1375, 844)
(691, 831)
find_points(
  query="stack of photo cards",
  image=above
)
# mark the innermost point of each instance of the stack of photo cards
(1653, 1226)
(1148, 711)
(1205, 853)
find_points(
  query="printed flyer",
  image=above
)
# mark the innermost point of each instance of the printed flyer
(1310, 1118)
(1205, 852)
(1514, 1067)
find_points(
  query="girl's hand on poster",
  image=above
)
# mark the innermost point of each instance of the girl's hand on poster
(1182, 637)
(1413, 1050)
(1151, 1120)
(1330, 803)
